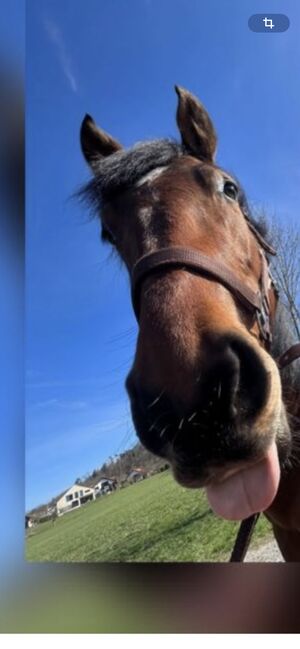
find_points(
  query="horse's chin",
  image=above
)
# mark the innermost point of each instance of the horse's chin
(203, 474)
(204, 477)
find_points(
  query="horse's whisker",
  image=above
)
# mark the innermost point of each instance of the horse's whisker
(153, 403)
(156, 421)
(162, 432)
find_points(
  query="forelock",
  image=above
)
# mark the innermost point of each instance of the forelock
(123, 169)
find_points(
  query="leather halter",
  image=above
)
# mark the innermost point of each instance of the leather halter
(291, 355)
(191, 260)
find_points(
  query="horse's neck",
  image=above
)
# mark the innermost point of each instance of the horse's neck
(284, 511)
(291, 398)
(284, 338)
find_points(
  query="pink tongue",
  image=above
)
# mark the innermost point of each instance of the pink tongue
(248, 491)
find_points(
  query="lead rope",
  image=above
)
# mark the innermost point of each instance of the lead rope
(247, 526)
(243, 538)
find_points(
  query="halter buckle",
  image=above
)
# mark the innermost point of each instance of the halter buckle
(263, 319)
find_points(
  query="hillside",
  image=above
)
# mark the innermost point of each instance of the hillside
(135, 457)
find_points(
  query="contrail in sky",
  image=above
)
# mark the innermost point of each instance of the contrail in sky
(56, 37)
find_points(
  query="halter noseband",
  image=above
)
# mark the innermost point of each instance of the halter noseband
(192, 260)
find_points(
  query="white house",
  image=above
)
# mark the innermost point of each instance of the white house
(29, 522)
(73, 498)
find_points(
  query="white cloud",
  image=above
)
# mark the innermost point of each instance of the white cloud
(56, 38)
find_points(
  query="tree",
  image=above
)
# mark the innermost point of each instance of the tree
(286, 268)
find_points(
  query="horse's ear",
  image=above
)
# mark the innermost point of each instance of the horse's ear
(196, 128)
(95, 143)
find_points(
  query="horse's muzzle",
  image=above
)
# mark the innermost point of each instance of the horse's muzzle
(217, 426)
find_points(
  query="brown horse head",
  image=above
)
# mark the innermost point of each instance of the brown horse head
(205, 392)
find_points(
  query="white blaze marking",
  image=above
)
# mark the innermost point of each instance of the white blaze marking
(151, 175)
(145, 214)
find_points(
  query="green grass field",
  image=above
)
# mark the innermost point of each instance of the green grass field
(153, 520)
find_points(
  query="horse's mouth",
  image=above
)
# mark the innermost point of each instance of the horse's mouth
(234, 460)
(237, 490)
(197, 478)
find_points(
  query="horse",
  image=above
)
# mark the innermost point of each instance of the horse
(205, 388)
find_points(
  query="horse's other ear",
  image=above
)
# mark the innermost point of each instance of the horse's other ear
(196, 128)
(95, 143)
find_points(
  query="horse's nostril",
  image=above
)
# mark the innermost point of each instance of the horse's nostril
(220, 385)
(254, 382)
(234, 382)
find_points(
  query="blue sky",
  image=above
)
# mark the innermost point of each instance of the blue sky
(119, 60)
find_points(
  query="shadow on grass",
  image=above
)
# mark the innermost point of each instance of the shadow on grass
(130, 553)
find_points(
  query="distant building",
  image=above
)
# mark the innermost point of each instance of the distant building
(105, 486)
(136, 475)
(29, 522)
(74, 498)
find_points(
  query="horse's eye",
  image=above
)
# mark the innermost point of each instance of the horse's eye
(231, 190)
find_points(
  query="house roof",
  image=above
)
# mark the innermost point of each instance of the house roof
(100, 479)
